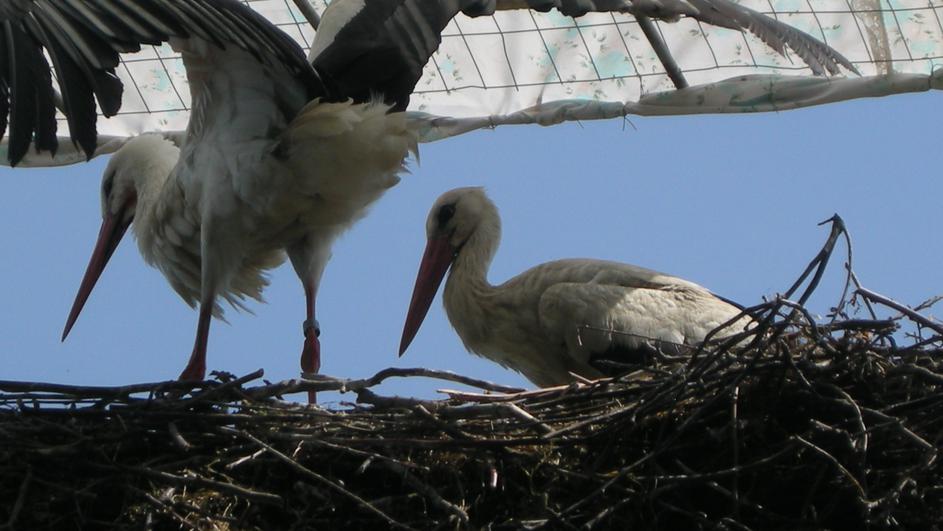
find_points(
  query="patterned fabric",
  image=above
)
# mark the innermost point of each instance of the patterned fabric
(528, 67)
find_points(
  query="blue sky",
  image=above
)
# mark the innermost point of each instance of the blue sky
(730, 202)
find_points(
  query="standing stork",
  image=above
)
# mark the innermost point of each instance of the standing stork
(281, 154)
(560, 318)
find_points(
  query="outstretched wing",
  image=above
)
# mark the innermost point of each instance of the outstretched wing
(381, 48)
(83, 40)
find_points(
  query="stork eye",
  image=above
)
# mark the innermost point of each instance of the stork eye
(445, 214)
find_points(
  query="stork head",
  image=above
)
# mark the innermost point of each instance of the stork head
(458, 217)
(126, 175)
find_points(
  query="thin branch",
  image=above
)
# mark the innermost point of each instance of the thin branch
(912, 315)
(819, 262)
(862, 496)
(236, 490)
(20, 500)
(321, 382)
(428, 491)
(85, 391)
(318, 477)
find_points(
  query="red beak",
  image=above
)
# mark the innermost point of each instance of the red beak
(113, 228)
(435, 262)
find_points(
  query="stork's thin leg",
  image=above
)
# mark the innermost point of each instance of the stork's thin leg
(311, 352)
(196, 367)
(309, 256)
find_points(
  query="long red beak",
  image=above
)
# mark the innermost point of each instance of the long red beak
(113, 228)
(435, 262)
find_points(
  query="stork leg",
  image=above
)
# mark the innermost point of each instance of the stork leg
(311, 351)
(216, 253)
(309, 256)
(196, 367)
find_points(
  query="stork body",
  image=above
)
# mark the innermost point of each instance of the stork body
(282, 153)
(215, 237)
(273, 162)
(558, 318)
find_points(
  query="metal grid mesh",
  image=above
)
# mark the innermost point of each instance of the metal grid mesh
(517, 59)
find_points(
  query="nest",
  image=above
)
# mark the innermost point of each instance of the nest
(795, 424)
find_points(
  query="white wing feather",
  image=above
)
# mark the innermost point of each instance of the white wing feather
(593, 318)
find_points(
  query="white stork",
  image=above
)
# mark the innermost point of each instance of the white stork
(576, 316)
(281, 155)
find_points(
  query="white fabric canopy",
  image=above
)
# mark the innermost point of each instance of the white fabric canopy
(526, 67)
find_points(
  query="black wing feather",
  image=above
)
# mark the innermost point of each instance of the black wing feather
(198, 25)
(4, 89)
(103, 24)
(382, 50)
(45, 110)
(84, 39)
(77, 99)
(20, 53)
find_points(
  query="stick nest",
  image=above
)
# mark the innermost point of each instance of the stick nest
(792, 425)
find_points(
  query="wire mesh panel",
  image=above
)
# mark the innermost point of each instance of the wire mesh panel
(555, 67)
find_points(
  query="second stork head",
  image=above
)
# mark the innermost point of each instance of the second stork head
(459, 217)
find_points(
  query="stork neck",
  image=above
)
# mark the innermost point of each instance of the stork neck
(152, 179)
(474, 258)
(154, 159)
(468, 295)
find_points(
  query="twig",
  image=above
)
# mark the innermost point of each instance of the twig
(726, 493)
(923, 372)
(244, 459)
(819, 262)
(735, 449)
(519, 412)
(912, 315)
(318, 477)
(867, 303)
(366, 396)
(849, 402)
(218, 390)
(321, 382)
(927, 304)
(20, 500)
(85, 391)
(862, 496)
(427, 491)
(469, 396)
(177, 438)
(867, 325)
(445, 427)
(162, 506)
(391, 372)
(839, 308)
(361, 453)
(249, 494)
